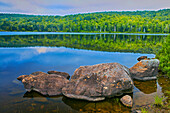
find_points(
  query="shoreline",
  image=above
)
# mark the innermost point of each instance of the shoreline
(3, 33)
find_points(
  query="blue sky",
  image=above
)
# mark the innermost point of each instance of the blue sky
(65, 7)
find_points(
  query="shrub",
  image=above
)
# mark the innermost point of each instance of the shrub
(164, 56)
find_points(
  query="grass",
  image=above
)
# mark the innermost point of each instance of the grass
(117, 100)
(143, 110)
(158, 106)
(158, 100)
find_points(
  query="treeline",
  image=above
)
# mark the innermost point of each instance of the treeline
(113, 43)
(128, 21)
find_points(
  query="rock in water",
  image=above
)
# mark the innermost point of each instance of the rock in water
(20, 78)
(64, 74)
(141, 58)
(127, 100)
(145, 69)
(94, 83)
(46, 84)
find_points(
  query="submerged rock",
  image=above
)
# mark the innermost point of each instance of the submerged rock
(151, 86)
(140, 99)
(111, 105)
(127, 100)
(46, 84)
(94, 83)
(18, 91)
(64, 74)
(145, 69)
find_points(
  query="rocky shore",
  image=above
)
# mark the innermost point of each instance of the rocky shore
(93, 83)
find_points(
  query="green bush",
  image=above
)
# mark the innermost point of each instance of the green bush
(164, 56)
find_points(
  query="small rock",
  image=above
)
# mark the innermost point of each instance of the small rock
(37, 73)
(136, 111)
(127, 100)
(64, 74)
(141, 58)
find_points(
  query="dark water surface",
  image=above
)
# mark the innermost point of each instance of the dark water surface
(16, 61)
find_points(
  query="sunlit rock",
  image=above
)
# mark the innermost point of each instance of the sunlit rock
(127, 100)
(145, 69)
(95, 83)
(46, 84)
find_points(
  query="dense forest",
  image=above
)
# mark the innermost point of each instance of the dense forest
(113, 43)
(110, 22)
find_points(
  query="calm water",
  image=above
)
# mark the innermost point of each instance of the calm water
(17, 60)
(74, 33)
(97, 42)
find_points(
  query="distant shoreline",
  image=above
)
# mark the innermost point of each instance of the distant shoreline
(3, 33)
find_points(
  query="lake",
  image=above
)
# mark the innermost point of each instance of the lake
(24, 54)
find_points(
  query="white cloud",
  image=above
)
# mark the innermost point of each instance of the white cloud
(23, 6)
(62, 7)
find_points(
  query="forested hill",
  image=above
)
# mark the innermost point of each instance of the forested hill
(126, 21)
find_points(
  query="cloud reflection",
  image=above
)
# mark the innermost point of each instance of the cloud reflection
(18, 61)
(41, 50)
(61, 57)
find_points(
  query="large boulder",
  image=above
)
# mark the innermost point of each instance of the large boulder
(95, 83)
(145, 69)
(46, 84)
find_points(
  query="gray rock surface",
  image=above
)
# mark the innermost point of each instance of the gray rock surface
(127, 100)
(145, 69)
(95, 83)
(46, 84)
